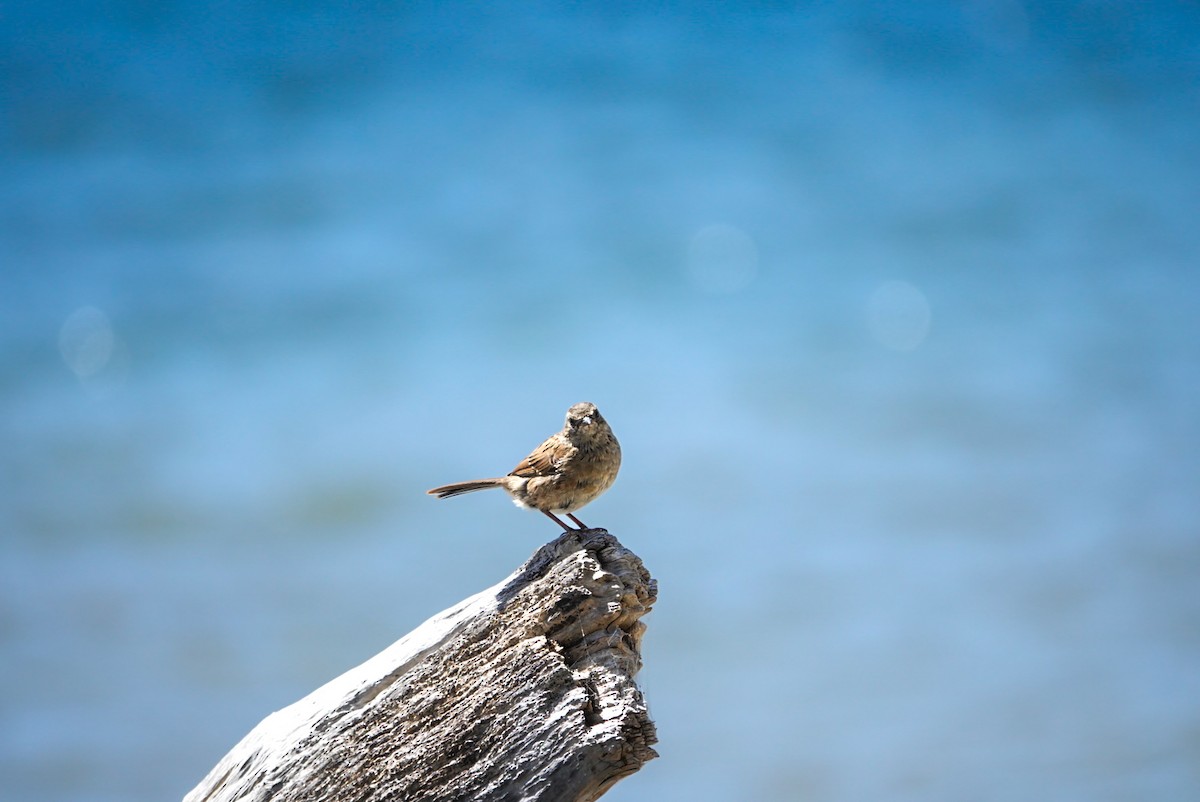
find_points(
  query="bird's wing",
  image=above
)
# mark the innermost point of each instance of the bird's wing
(545, 460)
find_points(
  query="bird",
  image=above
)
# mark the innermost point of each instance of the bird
(570, 469)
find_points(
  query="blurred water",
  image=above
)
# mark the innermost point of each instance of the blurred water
(893, 309)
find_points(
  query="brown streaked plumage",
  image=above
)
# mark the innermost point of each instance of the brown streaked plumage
(564, 473)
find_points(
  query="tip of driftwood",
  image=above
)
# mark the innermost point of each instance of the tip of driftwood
(523, 691)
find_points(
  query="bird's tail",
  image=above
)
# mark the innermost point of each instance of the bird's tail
(458, 488)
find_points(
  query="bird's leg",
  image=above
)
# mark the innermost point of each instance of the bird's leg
(582, 525)
(558, 520)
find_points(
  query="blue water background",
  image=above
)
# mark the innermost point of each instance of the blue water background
(893, 307)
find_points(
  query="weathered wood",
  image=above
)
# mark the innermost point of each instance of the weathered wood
(522, 692)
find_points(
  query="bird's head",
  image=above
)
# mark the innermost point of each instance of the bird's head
(584, 420)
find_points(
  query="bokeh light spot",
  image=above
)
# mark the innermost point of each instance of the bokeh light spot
(898, 315)
(86, 341)
(722, 259)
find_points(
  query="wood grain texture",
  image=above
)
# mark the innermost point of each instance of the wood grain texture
(523, 691)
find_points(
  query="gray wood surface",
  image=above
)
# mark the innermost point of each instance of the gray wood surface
(524, 691)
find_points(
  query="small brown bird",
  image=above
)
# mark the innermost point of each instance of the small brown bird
(564, 473)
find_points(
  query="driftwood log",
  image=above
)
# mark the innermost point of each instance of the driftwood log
(524, 691)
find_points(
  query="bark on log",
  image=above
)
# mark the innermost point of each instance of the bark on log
(522, 692)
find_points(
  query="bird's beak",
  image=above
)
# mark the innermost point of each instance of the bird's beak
(587, 419)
